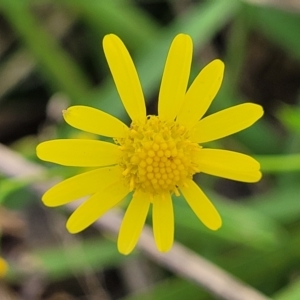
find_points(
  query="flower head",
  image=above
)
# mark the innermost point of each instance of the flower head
(3, 267)
(157, 156)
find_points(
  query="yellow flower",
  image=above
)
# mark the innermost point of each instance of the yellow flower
(3, 267)
(156, 156)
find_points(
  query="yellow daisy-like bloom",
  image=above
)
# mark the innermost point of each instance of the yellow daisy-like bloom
(156, 156)
(3, 267)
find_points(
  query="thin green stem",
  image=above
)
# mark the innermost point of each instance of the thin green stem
(279, 163)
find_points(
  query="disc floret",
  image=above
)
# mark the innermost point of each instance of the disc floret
(158, 156)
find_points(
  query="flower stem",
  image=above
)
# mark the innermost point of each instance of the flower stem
(279, 163)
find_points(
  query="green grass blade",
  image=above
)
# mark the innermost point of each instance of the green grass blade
(241, 224)
(57, 66)
(278, 25)
(171, 289)
(291, 292)
(119, 17)
(282, 205)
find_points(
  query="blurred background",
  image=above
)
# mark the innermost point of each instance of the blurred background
(51, 57)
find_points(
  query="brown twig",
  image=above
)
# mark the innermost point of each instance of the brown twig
(179, 260)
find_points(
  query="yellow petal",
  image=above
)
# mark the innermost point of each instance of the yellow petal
(175, 77)
(96, 206)
(81, 185)
(226, 122)
(201, 93)
(163, 222)
(229, 164)
(94, 121)
(3, 267)
(201, 205)
(80, 153)
(125, 77)
(133, 222)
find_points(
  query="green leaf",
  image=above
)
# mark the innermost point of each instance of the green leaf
(290, 118)
(291, 292)
(123, 18)
(279, 163)
(282, 205)
(173, 289)
(279, 25)
(13, 188)
(7, 187)
(241, 224)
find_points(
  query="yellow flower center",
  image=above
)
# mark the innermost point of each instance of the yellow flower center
(157, 156)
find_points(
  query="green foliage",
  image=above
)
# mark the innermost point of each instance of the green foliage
(172, 288)
(291, 292)
(61, 262)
